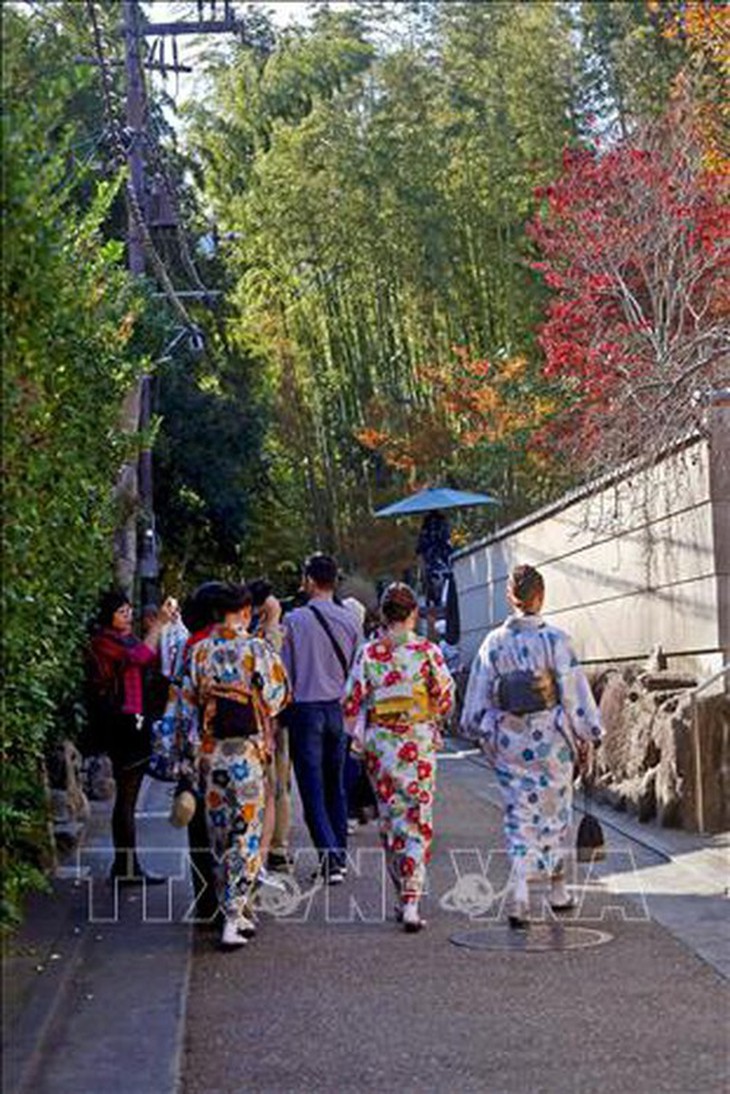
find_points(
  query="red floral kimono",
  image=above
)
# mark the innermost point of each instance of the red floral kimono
(402, 685)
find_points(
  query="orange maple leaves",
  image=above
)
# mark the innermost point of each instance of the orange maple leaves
(703, 26)
(464, 403)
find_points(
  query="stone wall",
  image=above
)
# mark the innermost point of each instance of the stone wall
(666, 750)
(637, 560)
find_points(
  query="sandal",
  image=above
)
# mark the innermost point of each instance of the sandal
(518, 923)
(561, 909)
(519, 917)
(411, 920)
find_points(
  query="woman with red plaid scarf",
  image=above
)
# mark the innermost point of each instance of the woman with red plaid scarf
(117, 661)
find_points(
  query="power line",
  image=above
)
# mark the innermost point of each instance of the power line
(133, 140)
(105, 78)
(153, 147)
(128, 140)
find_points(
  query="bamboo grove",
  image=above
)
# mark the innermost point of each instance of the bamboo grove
(372, 178)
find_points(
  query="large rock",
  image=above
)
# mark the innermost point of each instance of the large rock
(704, 751)
(64, 777)
(99, 778)
(665, 754)
(670, 733)
(627, 713)
(664, 680)
(614, 753)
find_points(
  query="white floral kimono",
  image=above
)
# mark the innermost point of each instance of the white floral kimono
(533, 753)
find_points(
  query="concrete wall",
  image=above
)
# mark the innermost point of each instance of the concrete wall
(629, 564)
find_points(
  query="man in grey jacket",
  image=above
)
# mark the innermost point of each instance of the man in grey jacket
(319, 646)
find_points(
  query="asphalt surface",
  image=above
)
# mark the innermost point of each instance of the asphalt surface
(324, 1001)
(106, 994)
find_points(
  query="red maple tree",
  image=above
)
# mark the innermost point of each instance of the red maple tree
(634, 242)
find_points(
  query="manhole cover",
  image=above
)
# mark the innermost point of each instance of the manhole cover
(539, 938)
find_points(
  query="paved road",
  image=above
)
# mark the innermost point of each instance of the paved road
(335, 997)
(326, 1001)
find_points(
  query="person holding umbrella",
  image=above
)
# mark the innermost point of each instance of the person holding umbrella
(434, 540)
(434, 548)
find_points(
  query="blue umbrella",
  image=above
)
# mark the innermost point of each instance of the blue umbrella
(438, 498)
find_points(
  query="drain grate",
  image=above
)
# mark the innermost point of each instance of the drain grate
(540, 938)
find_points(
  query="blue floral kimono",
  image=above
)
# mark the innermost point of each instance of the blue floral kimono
(228, 667)
(533, 753)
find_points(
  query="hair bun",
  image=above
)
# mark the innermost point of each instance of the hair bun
(525, 582)
(398, 601)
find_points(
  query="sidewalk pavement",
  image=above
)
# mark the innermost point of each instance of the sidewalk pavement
(96, 998)
(682, 879)
(93, 995)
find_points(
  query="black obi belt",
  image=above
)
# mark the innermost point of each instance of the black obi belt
(233, 719)
(524, 692)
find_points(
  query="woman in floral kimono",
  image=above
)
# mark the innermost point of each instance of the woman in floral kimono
(529, 702)
(400, 687)
(238, 683)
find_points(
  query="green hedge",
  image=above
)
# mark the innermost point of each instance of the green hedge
(70, 311)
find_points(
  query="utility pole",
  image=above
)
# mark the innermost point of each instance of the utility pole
(134, 490)
(136, 130)
(136, 541)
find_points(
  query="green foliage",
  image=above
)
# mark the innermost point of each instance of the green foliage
(626, 63)
(208, 469)
(376, 172)
(68, 316)
(379, 223)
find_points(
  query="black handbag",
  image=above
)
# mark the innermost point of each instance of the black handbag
(590, 845)
(233, 719)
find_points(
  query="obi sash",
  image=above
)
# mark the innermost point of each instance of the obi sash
(233, 718)
(404, 702)
(525, 692)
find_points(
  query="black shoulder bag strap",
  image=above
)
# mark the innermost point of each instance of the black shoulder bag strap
(344, 664)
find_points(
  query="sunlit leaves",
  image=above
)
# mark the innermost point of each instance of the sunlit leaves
(69, 317)
(635, 242)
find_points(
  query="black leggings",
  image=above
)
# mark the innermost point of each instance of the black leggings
(129, 781)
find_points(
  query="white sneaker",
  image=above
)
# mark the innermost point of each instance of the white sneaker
(330, 875)
(231, 937)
